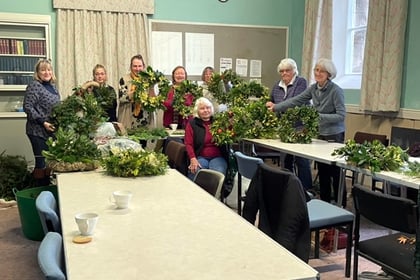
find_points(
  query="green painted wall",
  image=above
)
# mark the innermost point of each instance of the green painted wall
(262, 12)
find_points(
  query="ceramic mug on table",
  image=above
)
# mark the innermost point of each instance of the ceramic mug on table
(86, 222)
(173, 126)
(121, 199)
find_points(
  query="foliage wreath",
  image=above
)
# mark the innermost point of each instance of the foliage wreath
(180, 97)
(299, 125)
(146, 81)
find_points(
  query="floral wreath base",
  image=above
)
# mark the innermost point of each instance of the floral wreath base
(307, 119)
(61, 166)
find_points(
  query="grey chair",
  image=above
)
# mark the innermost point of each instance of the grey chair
(395, 213)
(51, 257)
(210, 180)
(46, 205)
(324, 215)
(247, 166)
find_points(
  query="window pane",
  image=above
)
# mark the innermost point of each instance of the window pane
(358, 46)
(360, 13)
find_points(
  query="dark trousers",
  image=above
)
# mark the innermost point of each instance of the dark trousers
(38, 145)
(330, 174)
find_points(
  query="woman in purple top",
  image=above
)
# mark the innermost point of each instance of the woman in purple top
(290, 85)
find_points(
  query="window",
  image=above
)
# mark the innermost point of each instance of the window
(349, 35)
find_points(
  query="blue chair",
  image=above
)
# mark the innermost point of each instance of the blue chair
(51, 256)
(247, 166)
(46, 205)
(324, 215)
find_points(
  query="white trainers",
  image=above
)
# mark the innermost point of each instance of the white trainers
(369, 275)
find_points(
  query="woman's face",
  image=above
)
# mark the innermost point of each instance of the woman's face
(45, 73)
(207, 76)
(204, 111)
(179, 75)
(321, 76)
(137, 66)
(286, 75)
(100, 76)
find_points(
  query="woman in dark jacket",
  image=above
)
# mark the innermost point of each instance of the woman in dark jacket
(202, 151)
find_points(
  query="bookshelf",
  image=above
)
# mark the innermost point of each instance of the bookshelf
(24, 39)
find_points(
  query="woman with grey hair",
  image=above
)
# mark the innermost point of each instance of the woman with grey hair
(289, 86)
(328, 99)
(202, 151)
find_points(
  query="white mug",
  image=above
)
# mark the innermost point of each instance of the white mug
(86, 222)
(173, 126)
(121, 199)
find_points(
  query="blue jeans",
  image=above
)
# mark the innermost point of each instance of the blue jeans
(303, 167)
(217, 163)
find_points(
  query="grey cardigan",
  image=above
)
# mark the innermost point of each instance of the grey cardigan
(328, 101)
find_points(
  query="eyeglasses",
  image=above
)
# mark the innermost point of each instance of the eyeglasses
(48, 60)
(285, 71)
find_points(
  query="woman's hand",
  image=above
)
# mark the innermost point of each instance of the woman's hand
(194, 165)
(270, 105)
(49, 127)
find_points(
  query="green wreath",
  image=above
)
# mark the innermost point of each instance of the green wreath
(180, 97)
(299, 125)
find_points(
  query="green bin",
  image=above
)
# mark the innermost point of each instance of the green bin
(29, 218)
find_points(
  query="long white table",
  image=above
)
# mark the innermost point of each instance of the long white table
(318, 150)
(172, 230)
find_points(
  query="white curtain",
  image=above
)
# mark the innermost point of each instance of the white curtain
(317, 35)
(383, 57)
(86, 38)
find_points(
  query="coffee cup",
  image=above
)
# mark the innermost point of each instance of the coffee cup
(173, 126)
(86, 222)
(121, 199)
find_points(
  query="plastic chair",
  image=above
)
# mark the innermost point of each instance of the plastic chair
(46, 205)
(177, 156)
(210, 180)
(247, 166)
(395, 213)
(51, 256)
(324, 215)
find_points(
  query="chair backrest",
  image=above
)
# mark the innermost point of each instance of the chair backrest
(210, 180)
(389, 211)
(51, 256)
(177, 156)
(279, 197)
(247, 166)
(48, 212)
(361, 137)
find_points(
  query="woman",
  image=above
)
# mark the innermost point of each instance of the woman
(206, 76)
(328, 99)
(40, 98)
(130, 114)
(98, 86)
(201, 150)
(290, 85)
(179, 74)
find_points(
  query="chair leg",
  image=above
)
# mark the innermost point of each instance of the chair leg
(348, 248)
(316, 250)
(239, 194)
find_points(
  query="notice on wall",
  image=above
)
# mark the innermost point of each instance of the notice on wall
(241, 67)
(167, 51)
(225, 64)
(199, 52)
(255, 68)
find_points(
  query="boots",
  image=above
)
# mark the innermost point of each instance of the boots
(42, 176)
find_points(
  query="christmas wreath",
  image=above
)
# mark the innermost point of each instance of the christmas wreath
(146, 82)
(299, 125)
(182, 93)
